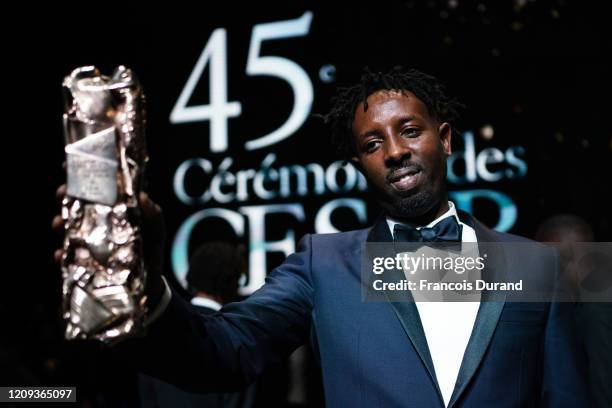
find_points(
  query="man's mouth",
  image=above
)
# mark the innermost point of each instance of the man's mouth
(405, 179)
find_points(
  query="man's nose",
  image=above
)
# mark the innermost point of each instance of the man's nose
(395, 150)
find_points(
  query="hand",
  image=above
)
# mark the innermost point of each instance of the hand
(153, 234)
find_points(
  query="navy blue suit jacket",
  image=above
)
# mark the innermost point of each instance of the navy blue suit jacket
(372, 354)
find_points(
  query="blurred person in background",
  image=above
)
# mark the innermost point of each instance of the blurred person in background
(215, 270)
(593, 319)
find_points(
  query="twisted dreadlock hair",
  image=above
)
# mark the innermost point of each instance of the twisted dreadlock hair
(425, 87)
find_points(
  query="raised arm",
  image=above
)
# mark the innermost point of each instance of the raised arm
(229, 349)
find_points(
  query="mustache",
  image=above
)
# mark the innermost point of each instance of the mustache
(400, 169)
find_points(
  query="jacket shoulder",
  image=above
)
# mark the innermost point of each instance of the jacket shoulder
(340, 239)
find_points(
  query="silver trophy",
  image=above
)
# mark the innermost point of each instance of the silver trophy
(103, 266)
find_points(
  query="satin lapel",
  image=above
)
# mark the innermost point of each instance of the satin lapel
(406, 311)
(488, 312)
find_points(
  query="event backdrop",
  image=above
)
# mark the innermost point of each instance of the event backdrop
(237, 154)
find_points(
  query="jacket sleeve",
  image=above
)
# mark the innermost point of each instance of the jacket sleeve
(229, 349)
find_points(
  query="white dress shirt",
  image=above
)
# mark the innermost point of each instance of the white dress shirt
(447, 325)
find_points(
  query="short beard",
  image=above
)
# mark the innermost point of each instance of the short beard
(416, 206)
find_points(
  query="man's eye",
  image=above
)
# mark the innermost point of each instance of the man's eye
(370, 146)
(411, 132)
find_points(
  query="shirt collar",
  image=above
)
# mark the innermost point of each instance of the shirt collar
(452, 212)
(205, 302)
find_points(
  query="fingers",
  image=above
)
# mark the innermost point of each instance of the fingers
(148, 206)
(57, 224)
(60, 193)
(58, 254)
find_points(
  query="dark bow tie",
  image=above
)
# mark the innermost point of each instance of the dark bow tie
(447, 230)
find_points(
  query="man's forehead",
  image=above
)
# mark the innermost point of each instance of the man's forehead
(392, 97)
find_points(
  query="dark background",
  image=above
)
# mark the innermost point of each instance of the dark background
(536, 71)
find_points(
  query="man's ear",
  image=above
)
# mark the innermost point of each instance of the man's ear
(446, 132)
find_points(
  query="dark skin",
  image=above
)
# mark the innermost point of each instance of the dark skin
(401, 149)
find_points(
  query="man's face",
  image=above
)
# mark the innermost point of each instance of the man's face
(402, 152)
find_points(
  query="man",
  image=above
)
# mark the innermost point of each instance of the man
(594, 319)
(564, 231)
(396, 128)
